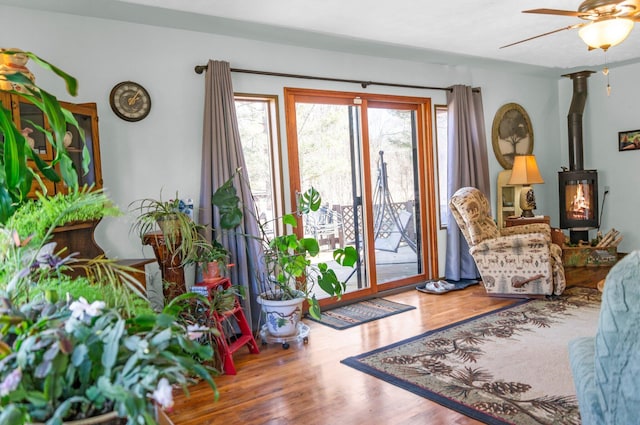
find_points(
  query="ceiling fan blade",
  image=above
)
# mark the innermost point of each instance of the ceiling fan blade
(554, 12)
(570, 27)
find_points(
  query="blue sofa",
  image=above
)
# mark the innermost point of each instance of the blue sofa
(606, 368)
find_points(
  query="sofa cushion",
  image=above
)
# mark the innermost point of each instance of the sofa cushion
(617, 344)
(582, 359)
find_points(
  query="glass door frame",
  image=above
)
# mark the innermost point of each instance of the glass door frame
(425, 171)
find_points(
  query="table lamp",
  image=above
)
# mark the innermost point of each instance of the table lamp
(525, 172)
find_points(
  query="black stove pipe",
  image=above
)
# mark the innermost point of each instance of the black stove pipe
(574, 119)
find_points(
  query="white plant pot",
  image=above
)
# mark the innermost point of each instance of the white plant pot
(282, 317)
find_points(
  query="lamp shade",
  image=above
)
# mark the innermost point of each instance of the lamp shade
(606, 33)
(525, 171)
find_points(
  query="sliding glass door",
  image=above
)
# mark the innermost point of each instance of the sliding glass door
(367, 158)
(396, 192)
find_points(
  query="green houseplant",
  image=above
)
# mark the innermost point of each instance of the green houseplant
(173, 235)
(19, 164)
(212, 257)
(178, 229)
(35, 217)
(74, 359)
(28, 257)
(291, 275)
(74, 356)
(71, 348)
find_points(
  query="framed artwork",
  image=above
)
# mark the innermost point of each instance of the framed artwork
(511, 134)
(629, 140)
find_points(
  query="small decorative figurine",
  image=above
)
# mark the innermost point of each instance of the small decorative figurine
(12, 64)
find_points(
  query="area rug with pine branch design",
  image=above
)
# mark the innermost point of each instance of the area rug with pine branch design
(361, 312)
(509, 366)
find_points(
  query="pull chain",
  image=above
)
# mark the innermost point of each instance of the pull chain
(605, 71)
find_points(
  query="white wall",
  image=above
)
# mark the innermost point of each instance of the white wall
(161, 153)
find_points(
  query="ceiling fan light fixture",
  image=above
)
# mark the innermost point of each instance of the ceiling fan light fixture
(606, 33)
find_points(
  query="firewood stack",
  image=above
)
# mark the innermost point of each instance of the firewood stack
(610, 240)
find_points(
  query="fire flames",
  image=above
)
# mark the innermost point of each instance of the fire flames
(579, 207)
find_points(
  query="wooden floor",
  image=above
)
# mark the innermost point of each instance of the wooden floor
(308, 385)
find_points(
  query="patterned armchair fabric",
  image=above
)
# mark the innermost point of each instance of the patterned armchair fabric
(606, 368)
(520, 260)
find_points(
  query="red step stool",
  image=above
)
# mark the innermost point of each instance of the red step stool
(246, 338)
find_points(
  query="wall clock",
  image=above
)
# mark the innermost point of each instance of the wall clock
(130, 101)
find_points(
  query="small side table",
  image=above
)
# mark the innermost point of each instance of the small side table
(557, 236)
(137, 264)
(520, 221)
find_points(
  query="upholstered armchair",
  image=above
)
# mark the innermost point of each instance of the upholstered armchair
(606, 368)
(517, 261)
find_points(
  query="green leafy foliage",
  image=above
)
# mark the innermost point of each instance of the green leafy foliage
(288, 258)
(74, 348)
(35, 217)
(181, 233)
(17, 175)
(227, 201)
(113, 295)
(30, 264)
(70, 360)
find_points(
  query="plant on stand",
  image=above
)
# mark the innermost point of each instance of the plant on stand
(67, 352)
(291, 275)
(174, 236)
(179, 231)
(212, 258)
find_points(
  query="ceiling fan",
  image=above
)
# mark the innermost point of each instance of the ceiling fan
(607, 22)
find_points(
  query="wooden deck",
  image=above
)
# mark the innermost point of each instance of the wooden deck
(308, 385)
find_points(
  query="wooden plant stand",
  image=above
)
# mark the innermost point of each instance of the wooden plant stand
(171, 269)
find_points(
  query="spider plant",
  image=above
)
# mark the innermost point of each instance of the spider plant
(180, 232)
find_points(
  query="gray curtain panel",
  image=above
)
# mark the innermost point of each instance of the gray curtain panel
(468, 165)
(221, 157)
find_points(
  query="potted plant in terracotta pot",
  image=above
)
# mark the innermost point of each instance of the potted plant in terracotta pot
(213, 259)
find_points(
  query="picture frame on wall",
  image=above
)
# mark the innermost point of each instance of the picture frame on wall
(511, 134)
(629, 140)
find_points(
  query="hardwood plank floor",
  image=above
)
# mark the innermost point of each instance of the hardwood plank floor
(307, 384)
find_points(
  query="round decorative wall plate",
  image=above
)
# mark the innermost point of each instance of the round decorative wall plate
(130, 101)
(511, 134)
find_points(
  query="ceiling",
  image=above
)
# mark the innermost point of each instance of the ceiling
(389, 28)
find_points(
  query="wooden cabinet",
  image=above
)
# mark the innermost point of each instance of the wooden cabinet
(87, 116)
(26, 115)
(507, 199)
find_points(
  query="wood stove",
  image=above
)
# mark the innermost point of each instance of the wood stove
(578, 202)
(578, 188)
